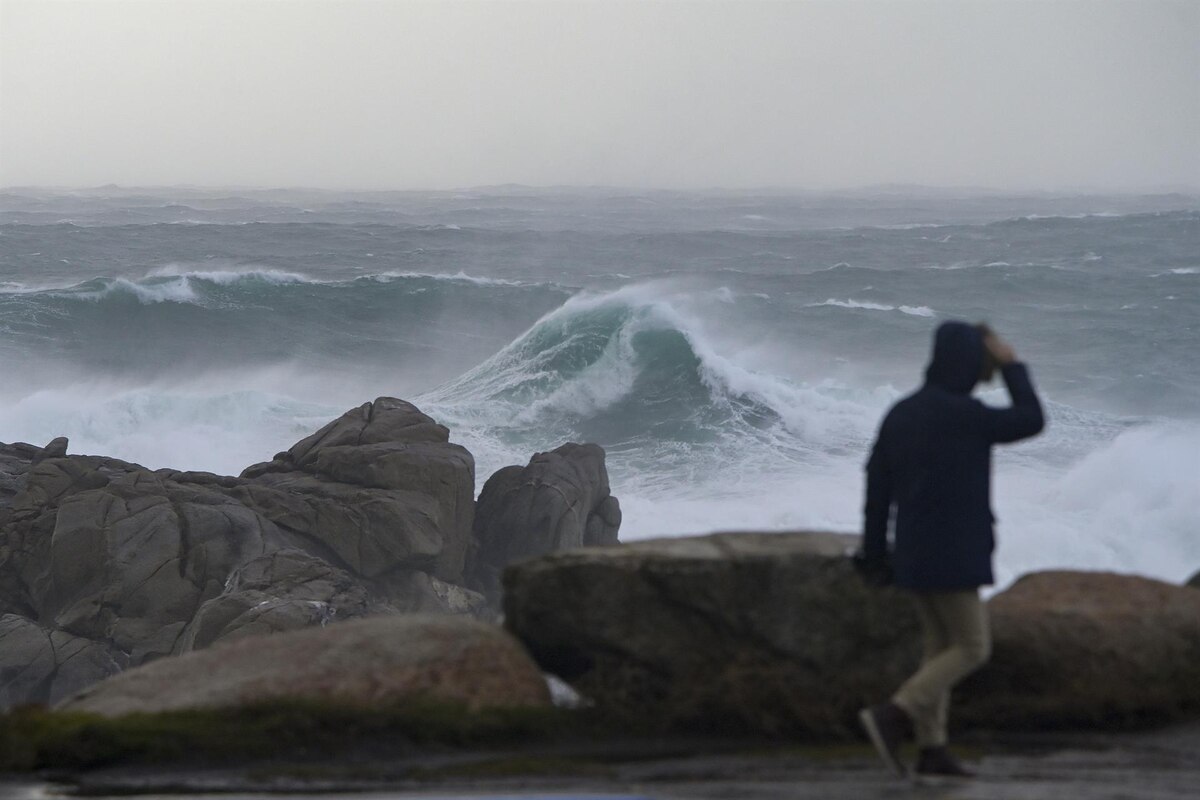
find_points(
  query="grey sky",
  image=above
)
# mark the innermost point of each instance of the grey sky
(354, 94)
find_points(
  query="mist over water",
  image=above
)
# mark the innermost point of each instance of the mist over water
(733, 353)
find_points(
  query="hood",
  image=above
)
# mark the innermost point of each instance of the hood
(957, 357)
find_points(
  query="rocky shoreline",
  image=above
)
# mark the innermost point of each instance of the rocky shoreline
(350, 605)
(105, 565)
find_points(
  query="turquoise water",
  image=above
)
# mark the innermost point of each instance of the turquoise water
(733, 353)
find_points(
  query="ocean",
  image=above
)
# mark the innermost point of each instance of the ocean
(733, 352)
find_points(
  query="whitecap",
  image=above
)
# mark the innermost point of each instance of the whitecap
(179, 290)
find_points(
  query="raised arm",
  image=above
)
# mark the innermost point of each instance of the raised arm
(1024, 417)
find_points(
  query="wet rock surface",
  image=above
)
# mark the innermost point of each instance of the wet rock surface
(361, 663)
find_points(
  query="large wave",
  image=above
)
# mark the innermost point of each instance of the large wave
(635, 372)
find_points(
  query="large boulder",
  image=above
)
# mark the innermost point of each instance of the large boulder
(367, 662)
(1087, 649)
(371, 515)
(769, 633)
(44, 666)
(381, 486)
(559, 501)
(775, 633)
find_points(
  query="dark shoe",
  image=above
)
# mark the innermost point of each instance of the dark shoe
(938, 763)
(887, 724)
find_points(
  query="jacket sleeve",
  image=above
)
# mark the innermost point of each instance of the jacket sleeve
(1023, 418)
(877, 510)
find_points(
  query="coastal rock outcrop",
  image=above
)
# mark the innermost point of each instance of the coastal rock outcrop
(1087, 649)
(366, 663)
(106, 565)
(560, 501)
(760, 632)
(774, 633)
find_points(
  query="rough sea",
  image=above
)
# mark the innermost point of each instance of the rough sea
(733, 352)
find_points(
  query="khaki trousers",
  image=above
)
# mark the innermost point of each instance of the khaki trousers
(957, 642)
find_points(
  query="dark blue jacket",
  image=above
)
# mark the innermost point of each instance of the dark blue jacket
(932, 463)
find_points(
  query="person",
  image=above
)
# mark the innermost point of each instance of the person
(931, 462)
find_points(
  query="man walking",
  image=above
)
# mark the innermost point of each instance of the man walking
(932, 463)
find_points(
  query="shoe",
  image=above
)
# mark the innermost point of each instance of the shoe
(938, 763)
(887, 724)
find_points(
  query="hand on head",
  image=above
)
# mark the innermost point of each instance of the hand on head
(1000, 350)
(996, 352)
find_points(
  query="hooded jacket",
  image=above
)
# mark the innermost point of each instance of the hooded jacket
(932, 463)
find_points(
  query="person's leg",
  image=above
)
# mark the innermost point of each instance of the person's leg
(887, 724)
(925, 696)
(935, 638)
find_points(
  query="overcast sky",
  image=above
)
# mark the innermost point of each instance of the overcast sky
(357, 94)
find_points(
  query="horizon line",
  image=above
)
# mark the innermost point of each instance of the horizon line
(893, 187)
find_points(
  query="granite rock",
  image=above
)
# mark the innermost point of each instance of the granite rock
(43, 666)
(1087, 650)
(560, 501)
(768, 633)
(367, 663)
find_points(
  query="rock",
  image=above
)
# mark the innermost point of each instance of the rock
(57, 448)
(773, 633)
(1087, 649)
(371, 515)
(560, 501)
(282, 590)
(370, 532)
(386, 420)
(384, 488)
(132, 562)
(1194, 581)
(42, 666)
(15, 460)
(367, 662)
(769, 633)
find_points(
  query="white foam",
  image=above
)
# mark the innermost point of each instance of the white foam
(853, 304)
(459, 276)
(915, 311)
(226, 277)
(184, 428)
(1127, 505)
(179, 290)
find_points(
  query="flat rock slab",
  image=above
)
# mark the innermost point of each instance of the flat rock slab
(765, 632)
(362, 662)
